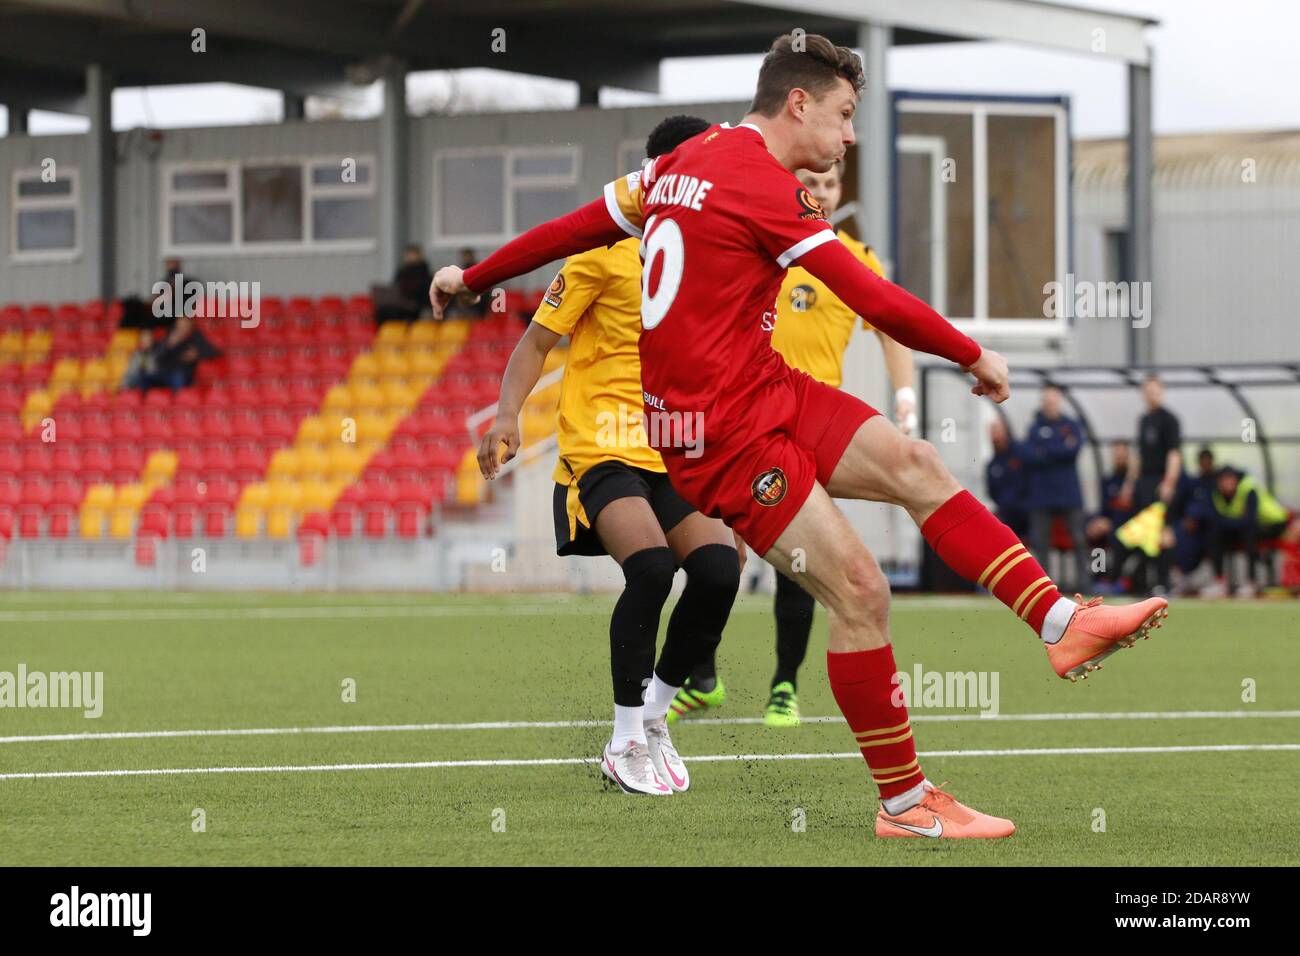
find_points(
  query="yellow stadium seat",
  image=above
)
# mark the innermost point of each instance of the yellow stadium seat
(424, 363)
(253, 502)
(121, 525)
(469, 482)
(393, 365)
(66, 371)
(160, 467)
(455, 331)
(92, 521)
(422, 334)
(314, 431)
(313, 463)
(367, 397)
(286, 502)
(346, 461)
(100, 496)
(338, 400)
(11, 347)
(37, 345)
(320, 495)
(94, 376)
(124, 341)
(400, 396)
(373, 429)
(285, 464)
(391, 333)
(365, 368)
(36, 407)
(132, 495)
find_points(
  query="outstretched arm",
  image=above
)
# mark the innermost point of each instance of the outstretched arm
(904, 317)
(586, 228)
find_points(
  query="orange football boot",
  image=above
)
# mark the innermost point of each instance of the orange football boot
(939, 815)
(1097, 631)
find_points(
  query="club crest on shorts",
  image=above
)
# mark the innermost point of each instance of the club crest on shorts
(769, 487)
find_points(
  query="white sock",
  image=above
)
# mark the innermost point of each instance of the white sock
(1057, 620)
(658, 697)
(628, 726)
(906, 801)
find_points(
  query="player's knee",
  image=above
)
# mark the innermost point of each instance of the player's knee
(715, 569)
(650, 573)
(866, 598)
(923, 470)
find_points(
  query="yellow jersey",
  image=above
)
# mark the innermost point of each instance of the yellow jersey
(596, 301)
(812, 325)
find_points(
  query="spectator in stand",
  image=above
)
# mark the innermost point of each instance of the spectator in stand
(1005, 479)
(411, 281)
(1154, 472)
(1113, 513)
(1246, 514)
(1051, 450)
(1192, 515)
(170, 362)
(467, 305)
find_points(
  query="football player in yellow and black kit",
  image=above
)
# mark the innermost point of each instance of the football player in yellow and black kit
(812, 332)
(613, 496)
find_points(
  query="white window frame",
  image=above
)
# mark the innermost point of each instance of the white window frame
(28, 203)
(508, 156)
(233, 193)
(982, 323)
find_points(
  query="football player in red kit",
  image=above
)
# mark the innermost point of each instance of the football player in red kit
(720, 218)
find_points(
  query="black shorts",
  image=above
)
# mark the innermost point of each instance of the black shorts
(575, 521)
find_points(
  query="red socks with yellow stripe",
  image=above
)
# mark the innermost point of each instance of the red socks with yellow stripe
(864, 687)
(986, 552)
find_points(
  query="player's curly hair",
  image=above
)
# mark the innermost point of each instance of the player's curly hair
(803, 61)
(672, 132)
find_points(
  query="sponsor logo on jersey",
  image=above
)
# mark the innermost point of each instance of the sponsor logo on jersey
(769, 487)
(803, 298)
(810, 207)
(555, 294)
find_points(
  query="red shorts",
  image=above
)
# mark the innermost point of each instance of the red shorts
(758, 476)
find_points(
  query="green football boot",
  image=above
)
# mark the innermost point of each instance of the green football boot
(782, 707)
(691, 701)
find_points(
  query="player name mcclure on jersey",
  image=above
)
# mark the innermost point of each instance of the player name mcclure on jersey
(679, 190)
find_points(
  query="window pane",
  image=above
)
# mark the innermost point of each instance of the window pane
(200, 179)
(342, 218)
(471, 194)
(203, 223)
(272, 203)
(952, 135)
(43, 229)
(331, 174)
(1022, 214)
(630, 159)
(38, 187)
(535, 206)
(544, 164)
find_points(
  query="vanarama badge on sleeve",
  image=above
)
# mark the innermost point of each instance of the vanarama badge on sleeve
(812, 209)
(555, 294)
(769, 487)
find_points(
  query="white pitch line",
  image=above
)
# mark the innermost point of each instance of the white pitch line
(571, 724)
(578, 761)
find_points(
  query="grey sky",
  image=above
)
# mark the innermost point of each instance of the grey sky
(1218, 67)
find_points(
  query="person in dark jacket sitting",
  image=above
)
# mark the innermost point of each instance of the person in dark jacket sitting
(411, 280)
(1113, 513)
(1004, 479)
(1051, 450)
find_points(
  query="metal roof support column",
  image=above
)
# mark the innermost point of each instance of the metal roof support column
(1141, 204)
(99, 183)
(394, 186)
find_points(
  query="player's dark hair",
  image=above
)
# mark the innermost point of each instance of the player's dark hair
(804, 61)
(672, 132)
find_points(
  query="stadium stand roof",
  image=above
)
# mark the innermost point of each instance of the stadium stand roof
(316, 46)
(68, 55)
